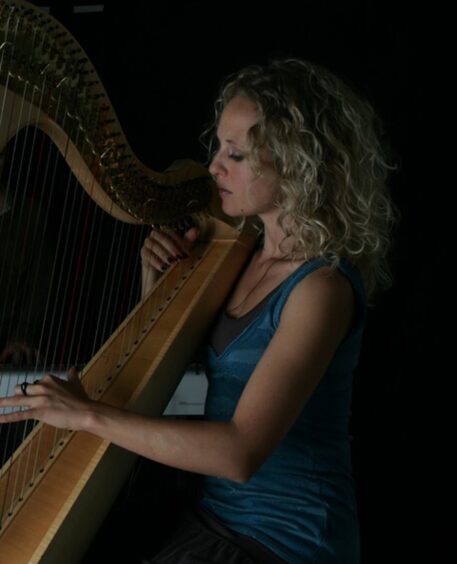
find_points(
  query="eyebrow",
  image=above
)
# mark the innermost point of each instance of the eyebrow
(229, 141)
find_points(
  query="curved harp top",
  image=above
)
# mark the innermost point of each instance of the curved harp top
(46, 80)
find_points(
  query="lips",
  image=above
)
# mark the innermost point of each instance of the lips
(222, 190)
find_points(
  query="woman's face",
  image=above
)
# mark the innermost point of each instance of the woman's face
(242, 193)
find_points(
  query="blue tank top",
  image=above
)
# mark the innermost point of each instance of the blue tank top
(301, 502)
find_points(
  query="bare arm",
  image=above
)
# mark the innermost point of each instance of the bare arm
(314, 321)
(205, 447)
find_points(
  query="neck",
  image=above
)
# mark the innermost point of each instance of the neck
(276, 243)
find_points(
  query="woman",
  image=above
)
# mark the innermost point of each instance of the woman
(298, 150)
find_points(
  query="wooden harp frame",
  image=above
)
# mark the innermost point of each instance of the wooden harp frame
(69, 496)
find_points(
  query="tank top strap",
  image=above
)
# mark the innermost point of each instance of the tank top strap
(346, 267)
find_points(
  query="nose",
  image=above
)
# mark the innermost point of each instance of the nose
(216, 167)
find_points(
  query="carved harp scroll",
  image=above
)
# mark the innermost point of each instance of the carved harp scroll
(57, 486)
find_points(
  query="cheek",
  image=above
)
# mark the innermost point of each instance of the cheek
(264, 192)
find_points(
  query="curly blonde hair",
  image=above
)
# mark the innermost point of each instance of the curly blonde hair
(325, 142)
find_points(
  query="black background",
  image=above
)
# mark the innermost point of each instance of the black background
(161, 64)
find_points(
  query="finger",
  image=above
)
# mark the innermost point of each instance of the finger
(77, 386)
(191, 235)
(31, 389)
(181, 245)
(157, 253)
(73, 375)
(38, 387)
(15, 416)
(173, 243)
(152, 259)
(19, 400)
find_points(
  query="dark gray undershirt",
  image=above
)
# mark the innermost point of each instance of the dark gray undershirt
(226, 329)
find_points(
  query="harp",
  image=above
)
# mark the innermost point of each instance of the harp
(56, 486)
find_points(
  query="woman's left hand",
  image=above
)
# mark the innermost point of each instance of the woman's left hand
(61, 403)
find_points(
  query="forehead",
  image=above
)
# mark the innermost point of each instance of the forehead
(238, 116)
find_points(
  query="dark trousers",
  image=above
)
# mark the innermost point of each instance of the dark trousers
(156, 519)
(200, 538)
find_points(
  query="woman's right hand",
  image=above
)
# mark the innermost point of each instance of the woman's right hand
(160, 249)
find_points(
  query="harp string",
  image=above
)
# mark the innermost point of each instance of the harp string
(66, 286)
(20, 252)
(68, 306)
(29, 478)
(16, 251)
(24, 258)
(7, 198)
(128, 341)
(61, 295)
(63, 286)
(17, 194)
(81, 308)
(73, 279)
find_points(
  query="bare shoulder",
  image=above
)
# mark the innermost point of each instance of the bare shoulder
(330, 278)
(325, 295)
(328, 283)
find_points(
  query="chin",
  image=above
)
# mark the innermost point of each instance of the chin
(228, 210)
